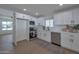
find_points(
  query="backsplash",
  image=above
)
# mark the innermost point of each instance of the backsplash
(69, 28)
(76, 27)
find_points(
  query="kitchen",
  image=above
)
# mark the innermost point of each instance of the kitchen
(65, 30)
(60, 29)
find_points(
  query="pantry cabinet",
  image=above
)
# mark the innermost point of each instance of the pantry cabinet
(70, 41)
(67, 17)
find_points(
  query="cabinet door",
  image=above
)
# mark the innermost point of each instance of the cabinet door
(65, 41)
(68, 17)
(47, 36)
(39, 33)
(76, 16)
(75, 45)
(63, 18)
(59, 19)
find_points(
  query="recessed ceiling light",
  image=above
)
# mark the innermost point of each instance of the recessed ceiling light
(25, 9)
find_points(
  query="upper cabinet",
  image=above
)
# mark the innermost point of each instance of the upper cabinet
(22, 16)
(58, 19)
(67, 17)
(41, 21)
(76, 16)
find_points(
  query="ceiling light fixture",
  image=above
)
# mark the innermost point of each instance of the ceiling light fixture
(60, 4)
(25, 9)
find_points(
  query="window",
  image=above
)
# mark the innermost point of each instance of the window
(49, 23)
(7, 25)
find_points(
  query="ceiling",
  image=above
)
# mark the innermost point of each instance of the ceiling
(41, 9)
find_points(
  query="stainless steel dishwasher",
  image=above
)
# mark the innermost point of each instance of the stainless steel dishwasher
(56, 38)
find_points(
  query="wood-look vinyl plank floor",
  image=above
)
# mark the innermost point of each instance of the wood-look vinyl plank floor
(35, 46)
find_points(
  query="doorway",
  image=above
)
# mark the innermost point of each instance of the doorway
(6, 33)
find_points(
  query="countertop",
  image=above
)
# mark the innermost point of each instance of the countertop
(64, 32)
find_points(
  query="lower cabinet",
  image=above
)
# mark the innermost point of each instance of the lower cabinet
(47, 36)
(44, 35)
(65, 41)
(70, 41)
(75, 45)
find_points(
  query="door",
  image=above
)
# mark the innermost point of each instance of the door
(20, 30)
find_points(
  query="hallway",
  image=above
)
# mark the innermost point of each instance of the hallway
(35, 46)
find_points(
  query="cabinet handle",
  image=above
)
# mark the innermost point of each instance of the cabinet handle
(72, 40)
(71, 35)
(72, 21)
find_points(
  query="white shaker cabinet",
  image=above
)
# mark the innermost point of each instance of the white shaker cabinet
(46, 36)
(76, 16)
(70, 41)
(67, 17)
(75, 45)
(58, 19)
(43, 34)
(63, 18)
(39, 32)
(65, 41)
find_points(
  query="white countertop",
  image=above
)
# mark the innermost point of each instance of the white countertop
(64, 31)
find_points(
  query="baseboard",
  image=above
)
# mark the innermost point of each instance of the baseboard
(71, 50)
(56, 44)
